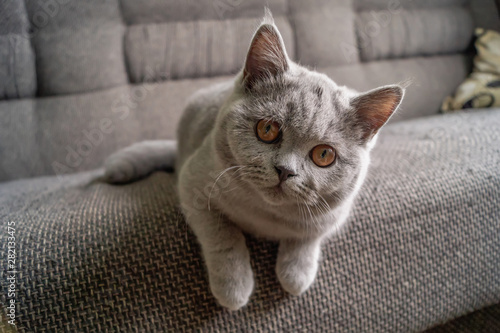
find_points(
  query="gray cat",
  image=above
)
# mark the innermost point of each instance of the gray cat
(280, 152)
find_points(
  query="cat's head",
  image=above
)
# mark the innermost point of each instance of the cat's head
(300, 137)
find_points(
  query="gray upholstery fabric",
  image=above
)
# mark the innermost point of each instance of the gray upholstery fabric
(321, 44)
(193, 49)
(60, 135)
(78, 45)
(153, 11)
(384, 4)
(17, 61)
(486, 320)
(486, 13)
(431, 78)
(421, 247)
(404, 33)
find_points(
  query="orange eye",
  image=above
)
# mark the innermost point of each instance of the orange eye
(323, 155)
(268, 131)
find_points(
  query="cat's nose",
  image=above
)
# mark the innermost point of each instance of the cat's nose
(284, 173)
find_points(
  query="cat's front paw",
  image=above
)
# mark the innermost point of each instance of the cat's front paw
(231, 281)
(297, 265)
(296, 278)
(232, 292)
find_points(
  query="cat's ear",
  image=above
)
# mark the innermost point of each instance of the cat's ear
(267, 55)
(375, 107)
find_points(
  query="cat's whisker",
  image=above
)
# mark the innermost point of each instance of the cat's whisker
(236, 175)
(302, 215)
(217, 179)
(230, 190)
(311, 215)
(236, 178)
(325, 207)
(324, 200)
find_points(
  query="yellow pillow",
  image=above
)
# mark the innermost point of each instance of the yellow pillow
(482, 88)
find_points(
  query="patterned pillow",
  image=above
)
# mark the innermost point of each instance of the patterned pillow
(482, 88)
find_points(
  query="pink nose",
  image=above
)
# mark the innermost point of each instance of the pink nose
(284, 173)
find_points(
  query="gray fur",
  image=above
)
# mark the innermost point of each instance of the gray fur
(226, 176)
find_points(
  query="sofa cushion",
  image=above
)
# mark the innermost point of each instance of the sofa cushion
(421, 4)
(327, 33)
(324, 30)
(67, 134)
(17, 60)
(486, 320)
(421, 247)
(182, 39)
(413, 32)
(193, 49)
(430, 79)
(486, 13)
(78, 45)
(153, 11)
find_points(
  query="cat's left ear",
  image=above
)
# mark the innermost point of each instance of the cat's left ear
(267, 55)
(375, 107)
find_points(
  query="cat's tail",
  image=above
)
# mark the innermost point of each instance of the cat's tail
(139, 160)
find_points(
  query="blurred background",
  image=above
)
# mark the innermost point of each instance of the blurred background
(81, 79)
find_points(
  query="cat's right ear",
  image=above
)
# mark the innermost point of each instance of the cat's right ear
(267, 55)
(375, 107)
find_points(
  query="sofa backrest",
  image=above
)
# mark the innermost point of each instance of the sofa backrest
(80, 79)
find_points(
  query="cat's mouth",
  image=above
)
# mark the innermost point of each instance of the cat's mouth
(272, 191)
(276, 194)
(278, 188)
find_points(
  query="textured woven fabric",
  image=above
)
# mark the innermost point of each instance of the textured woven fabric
(486, 320)
(421, 247)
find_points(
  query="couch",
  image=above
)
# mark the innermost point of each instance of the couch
(82, 79)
